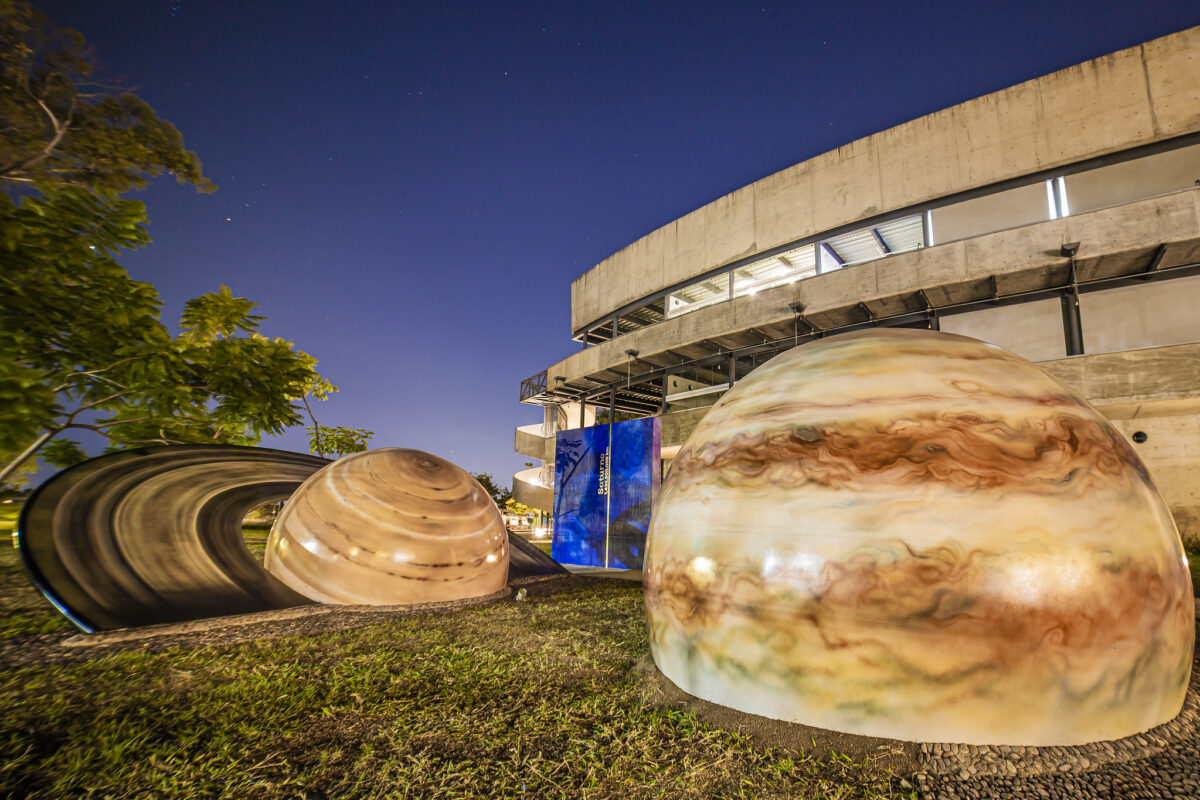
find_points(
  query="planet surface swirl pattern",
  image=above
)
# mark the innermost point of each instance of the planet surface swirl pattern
(390, 526)
(917, 535)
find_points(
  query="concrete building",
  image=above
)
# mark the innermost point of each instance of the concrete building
(1059, 218)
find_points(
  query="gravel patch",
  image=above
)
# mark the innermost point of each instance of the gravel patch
(1162, 763)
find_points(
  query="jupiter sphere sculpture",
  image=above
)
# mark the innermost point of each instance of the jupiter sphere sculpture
(389, 526)
(916, 535)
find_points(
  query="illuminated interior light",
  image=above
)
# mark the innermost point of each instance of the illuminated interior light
(1062, 196)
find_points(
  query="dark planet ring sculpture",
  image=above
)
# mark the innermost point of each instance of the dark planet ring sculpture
(154, 535)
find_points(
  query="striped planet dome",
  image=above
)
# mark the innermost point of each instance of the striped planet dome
(390, 526)
(917, 535)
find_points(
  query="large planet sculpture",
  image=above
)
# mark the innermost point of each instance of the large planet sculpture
(917, 535)
(389, 526)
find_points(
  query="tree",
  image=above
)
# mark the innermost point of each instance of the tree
(60, 127)
(336, 441)
(82, 346)
(520, 509)
(499, 495)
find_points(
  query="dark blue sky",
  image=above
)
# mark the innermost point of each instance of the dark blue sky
(408, 190)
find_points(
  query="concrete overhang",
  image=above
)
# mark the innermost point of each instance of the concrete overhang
(1135, 238)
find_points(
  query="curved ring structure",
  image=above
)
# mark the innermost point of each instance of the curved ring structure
(154, 535)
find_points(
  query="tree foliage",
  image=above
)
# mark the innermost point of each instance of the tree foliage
(326, 440)
(60, 127)
(499, 494)
(82, 345)
(518, 508)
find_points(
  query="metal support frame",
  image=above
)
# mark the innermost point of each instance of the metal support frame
(841, 262)
(1068, 295)
(1072, 320)
(934, 323)
(883, 245)
(1155, 261)
(759, 334)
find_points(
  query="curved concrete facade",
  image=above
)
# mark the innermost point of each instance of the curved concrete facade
(1059, 218)
(1138, 96)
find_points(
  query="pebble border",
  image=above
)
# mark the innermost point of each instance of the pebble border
(967, 761)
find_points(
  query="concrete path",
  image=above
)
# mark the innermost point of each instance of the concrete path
(602, 572)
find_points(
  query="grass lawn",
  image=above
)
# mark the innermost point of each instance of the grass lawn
(517, 699)
(256, 540)
(1193, 556)
(23, 611)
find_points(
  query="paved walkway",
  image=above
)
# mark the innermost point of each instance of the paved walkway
(602, 572)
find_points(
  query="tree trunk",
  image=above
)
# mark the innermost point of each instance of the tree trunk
(316, 428)
(11, 466)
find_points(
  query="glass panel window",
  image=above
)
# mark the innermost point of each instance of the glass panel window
(775, 271)
(1139, 179)
(868, 244)
(902, 235)
(698, 295)
(994, 212)
(829, 258)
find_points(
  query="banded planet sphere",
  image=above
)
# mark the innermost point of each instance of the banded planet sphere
(389, 526)
(917, 535)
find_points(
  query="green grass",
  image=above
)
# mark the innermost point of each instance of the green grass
(256, 540)
(1193, 556)
(532, 699)
(23, 610)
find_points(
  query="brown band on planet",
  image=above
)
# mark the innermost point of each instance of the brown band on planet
(915, 535)
(390, 526)
(963, 450)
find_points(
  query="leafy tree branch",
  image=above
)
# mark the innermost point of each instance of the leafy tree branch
(82, 345)
(62, 127)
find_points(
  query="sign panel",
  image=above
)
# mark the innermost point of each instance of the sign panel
(634, 446)
(605, 482)
(580, 505)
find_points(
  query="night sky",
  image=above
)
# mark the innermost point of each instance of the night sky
(408, 189)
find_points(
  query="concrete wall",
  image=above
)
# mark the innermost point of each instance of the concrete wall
(1141, 316)
(1031, 330)
(1114, 240)
(1136, 96)
(531, 441)
(1172, 454)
